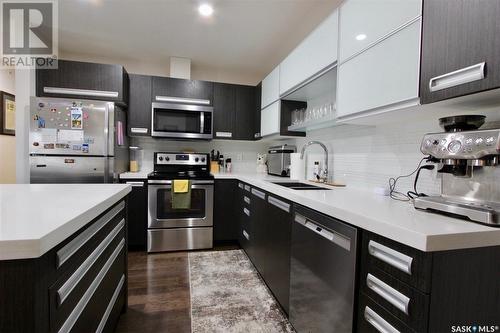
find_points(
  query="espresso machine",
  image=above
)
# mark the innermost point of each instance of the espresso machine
(468, 160)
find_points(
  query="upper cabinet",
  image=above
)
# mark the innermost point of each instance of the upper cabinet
(85, 80)
(173, 90)
(270, 88)
(139, 107)
(460, 48)
(383, 73)
(364, 22)
(270, 119)
(315, 53)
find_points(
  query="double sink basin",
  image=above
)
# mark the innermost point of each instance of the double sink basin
(300, 186)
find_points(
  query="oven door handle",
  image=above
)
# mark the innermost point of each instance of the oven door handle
(169, 182)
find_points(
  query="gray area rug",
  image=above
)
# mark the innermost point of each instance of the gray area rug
(227, 295)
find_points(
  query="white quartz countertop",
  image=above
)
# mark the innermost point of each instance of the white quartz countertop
(393, 219)
(143, 174)
(36, 217)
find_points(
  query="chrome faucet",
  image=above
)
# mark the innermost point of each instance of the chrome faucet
(324, 178)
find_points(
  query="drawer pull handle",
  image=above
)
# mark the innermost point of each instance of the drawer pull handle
(77, 311)
(278, 203)
(111, 304)
(240, 185)
(458, 77)
(247, 188)
(246, 199)
(394, 258)
(71, 283)
(136, 184)
(388, 293)
(378, 322)
(259, 194)
(246, 211)
(224, 134)
(73, 246)
(140, 130)
(80, 92)
(245, 234)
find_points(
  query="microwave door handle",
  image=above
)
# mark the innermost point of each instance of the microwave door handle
(202, 122)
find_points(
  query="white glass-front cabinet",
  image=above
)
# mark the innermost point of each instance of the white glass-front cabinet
(315, 53)
(379, 56)
(270, 119)
(270, 88)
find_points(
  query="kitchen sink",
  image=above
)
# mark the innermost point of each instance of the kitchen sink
(300, 186)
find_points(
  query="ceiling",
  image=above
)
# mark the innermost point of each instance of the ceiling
(243, 36)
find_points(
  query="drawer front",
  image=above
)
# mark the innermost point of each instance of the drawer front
(71, 254)
(66, 294)
(408, 265)
(364, 22)
(404, 302)
(372, 318)
(90, 308)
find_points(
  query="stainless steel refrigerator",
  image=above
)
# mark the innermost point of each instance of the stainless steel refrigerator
(77, 141)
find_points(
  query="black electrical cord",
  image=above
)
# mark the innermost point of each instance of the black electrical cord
(414, 194)
(396, 195)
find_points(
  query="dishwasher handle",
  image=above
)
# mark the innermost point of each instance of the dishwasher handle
(337, 238)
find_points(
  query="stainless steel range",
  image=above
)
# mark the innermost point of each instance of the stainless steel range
(468, 159)
(173, 229)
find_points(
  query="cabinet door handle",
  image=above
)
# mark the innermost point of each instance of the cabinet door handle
(240, 185)
(73, 246)
(388, 293)
(334, 237)
(378, 322)
(173, 99)
(278, 203)
(246, 199)
(458, 77)
(259, 194)
(389, 256)
(246, 211)
(111, 304)
(80, 92)
(224, 134)
(135, 184)
(245, 234)
(247, 188)
(139, 130)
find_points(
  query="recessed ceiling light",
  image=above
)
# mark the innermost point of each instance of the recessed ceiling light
(205, 9)
(361, 37)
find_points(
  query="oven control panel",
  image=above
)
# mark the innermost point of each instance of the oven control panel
(462, 145)
(181, 159)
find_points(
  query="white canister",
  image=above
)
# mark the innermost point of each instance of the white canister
(297, 167)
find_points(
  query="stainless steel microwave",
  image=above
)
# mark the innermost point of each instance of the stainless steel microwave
(181, 121)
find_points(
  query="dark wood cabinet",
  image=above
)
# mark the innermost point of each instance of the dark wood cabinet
(458, 34)
(234, 111)
(257, 113)
(419, 291)
(137, 214)
(278, 220)
(182, 88)
(245, 109)
(84, 80)
(139, 107)
(78, 286)
(226, 225)
(224, 111)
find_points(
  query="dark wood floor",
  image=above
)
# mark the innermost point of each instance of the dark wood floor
(158, 294)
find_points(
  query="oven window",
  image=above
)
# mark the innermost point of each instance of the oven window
(177, 121)
(164, 205)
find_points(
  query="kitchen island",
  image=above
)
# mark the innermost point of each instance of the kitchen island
(63, 259)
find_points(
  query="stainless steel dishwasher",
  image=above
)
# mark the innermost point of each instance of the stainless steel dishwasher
(323, 273)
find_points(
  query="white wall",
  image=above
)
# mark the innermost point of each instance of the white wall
(7, 142)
